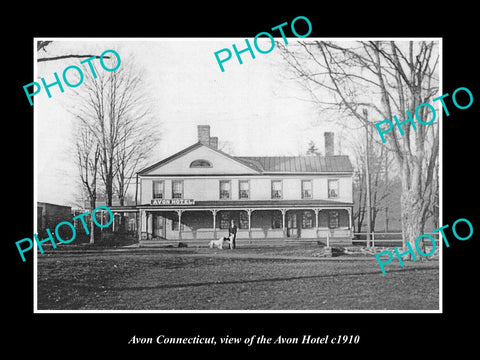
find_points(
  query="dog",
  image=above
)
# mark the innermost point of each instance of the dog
(221, 242)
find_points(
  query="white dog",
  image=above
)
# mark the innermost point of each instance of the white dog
(221, 242)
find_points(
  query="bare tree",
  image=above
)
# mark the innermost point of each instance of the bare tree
(380, 185)
(87, 155)
(388, 78)
(138, 140)
(359, 196)
(114, 107)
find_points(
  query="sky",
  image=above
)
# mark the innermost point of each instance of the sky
(254, 106)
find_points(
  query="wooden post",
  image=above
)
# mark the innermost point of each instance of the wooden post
(350, 222)
(284, 211)
(179, 213)
(138, 218)
(249, 213)
(367, 180)
(147, 220)
(113, 223)
(214, 213)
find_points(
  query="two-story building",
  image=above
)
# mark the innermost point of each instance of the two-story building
(195, 193)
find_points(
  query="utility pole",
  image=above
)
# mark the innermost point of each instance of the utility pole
(367, 179)
(386, 185)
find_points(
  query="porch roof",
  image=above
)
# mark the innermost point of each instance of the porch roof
(247, 204)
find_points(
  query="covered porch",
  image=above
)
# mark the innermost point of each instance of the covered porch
(261, 223)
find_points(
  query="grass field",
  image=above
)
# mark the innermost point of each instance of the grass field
(243, 279)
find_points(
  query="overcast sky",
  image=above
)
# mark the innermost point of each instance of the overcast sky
(254, 106)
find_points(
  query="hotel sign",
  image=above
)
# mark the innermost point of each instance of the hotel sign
(173, 202)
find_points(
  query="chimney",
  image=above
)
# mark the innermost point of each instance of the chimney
(204, 134)
(214, 142)
(329, 147)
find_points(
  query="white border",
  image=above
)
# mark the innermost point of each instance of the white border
(440, 310)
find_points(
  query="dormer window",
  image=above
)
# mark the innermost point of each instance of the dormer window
(201, 164)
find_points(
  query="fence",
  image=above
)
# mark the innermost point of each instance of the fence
(383, 238)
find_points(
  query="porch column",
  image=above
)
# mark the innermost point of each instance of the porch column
(350, 220)
(179, 213)
(214, 213)
(316, 210)
(149, 226)
(138, 219)
(284, 211)
(249, 213)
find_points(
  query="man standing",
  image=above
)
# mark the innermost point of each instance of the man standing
(232, 230)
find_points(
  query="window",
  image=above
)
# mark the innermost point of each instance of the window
(177, 189)
(224, 189)
(307, 189)
(158, 189)
(243, 223)
(292, 220)
(333, 219)
(307, 220)
(201, 164)
(276, 189)
(244, 189)
(224, 220)
(332, 188)
(276, 220)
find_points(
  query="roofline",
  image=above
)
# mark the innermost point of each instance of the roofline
(308, 173)
(289, 156)
(187, 150)
(170, 158)
(347, 173)
(49, 203)
(248, 204)
(255, 158)
(241, 160)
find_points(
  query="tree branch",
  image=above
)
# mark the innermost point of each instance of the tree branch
(69, 56)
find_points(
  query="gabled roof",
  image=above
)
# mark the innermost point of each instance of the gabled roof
(275, 164)
(187, 150)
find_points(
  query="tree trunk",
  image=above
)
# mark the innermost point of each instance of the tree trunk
(412, 226)
(92, 224)
(121, 225)
(109, 190)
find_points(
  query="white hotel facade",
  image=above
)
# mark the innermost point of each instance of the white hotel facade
(193, 195)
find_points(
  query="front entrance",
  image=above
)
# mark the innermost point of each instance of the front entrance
(159, 226)
(294, 221)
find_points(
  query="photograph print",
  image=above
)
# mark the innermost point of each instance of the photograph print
(271, 183)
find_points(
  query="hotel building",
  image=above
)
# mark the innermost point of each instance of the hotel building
(193, 195)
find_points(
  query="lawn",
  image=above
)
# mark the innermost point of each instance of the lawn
(206, 279)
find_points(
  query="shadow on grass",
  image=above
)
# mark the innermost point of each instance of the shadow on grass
(231, 282)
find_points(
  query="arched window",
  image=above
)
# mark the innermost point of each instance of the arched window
(201, 164)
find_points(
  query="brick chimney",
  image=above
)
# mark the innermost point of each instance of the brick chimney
(329, 147)
(204, 134)
(214, 142)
